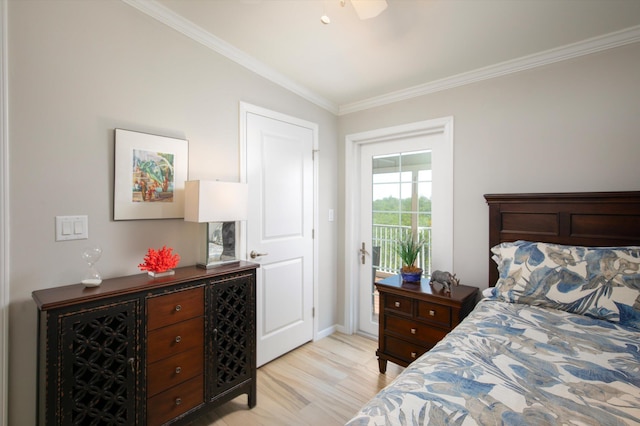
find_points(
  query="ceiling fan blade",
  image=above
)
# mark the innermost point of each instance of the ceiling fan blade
(369, 8)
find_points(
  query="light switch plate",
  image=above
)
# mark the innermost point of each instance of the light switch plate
(72, 228)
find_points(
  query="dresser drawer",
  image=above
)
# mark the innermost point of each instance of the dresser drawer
(400, 304)
(413, 330)
(175, 401)
(175, 307)
(437, 314)
(173, 339)
(404, 350)
(171, 371)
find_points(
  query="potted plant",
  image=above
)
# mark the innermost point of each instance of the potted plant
(408, 249)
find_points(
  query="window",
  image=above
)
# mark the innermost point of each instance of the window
(401, 206)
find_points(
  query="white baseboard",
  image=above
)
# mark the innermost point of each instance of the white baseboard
(341, 329)
(326, 332)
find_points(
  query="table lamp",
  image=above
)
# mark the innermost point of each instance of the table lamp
(219, 205)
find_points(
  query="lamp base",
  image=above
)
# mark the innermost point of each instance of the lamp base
(217, 264)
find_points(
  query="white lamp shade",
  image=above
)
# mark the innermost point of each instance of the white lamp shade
(214, 201)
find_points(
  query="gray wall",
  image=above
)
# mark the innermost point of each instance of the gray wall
(569, 126)
(79, 69)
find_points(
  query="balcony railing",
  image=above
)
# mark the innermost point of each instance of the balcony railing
(385, 240)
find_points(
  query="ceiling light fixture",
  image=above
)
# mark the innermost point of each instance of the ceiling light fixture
(325, 18)
(367, 9)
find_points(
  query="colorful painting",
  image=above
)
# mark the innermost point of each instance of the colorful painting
(150, 172)
(152, 177)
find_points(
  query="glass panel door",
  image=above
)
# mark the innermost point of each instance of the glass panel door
(396, 202)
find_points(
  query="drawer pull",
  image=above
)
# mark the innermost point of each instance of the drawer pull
(413, 354)
(178, 370)
(397, 304)
(178, 308)
(413, 331)
(178, 339)
(132, 362)
(432, 313)
(178, 401)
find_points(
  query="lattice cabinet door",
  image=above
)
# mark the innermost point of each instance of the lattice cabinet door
(232, 361)
(99, 366)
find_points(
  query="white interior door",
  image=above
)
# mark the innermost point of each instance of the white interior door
(279, 171)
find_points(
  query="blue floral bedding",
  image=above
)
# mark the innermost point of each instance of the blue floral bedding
(516, 364)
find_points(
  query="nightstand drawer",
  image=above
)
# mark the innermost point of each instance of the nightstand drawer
(174, 339)
(398, 304)
(174, 370)
(175, 307)
(404, 350)
(175, 401)
(414, 330)
(435, 313)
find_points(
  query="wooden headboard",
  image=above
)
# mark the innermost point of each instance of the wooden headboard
(581, 218)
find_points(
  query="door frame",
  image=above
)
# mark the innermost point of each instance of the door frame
(353, 144)
(4, 217)
(247, 108)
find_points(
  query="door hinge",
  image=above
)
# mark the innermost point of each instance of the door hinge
(313, 154)
(313, 234)
(313, 312)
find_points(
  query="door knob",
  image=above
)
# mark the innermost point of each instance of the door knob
(363, 252)
(253, 254)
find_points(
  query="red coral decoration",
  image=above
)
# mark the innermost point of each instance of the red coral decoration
(159, 261)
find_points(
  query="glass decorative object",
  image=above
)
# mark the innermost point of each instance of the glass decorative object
(92, 277)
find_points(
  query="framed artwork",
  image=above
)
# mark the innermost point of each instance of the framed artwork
(150, 172)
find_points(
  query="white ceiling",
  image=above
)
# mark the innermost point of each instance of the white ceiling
(414, 46)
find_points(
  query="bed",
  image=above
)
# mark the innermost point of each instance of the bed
(556, 336)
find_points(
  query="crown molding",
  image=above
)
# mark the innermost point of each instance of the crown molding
(198, 34)
(586, 47)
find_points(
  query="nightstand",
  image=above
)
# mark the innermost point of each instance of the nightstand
(416, 316)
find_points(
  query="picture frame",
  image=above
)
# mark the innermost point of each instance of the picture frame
(149, 176)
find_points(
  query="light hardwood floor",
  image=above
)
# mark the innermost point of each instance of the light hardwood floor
(320, 383)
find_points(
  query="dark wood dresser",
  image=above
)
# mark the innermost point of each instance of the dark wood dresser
(414, 317)
(139, 350)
